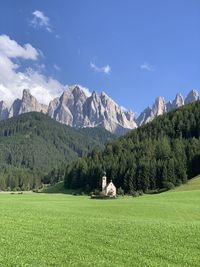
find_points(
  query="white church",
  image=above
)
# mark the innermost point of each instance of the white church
(108, 189)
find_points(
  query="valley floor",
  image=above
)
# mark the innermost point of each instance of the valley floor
(62, 230)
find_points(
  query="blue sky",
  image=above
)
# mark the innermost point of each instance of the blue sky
(134, 50)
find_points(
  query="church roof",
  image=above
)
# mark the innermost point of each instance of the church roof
(111, 183)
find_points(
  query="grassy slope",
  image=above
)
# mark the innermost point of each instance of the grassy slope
(57, 189)
(62, 230)
(193, 184)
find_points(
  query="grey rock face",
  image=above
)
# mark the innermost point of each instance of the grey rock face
(177, 103)
(192, 97)
(158, 108)
(14, 110)
(145, 116)
(3, 111)
(29, 103)
(74, 108)
(68, 109)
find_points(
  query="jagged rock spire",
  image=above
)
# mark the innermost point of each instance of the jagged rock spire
(192, 97)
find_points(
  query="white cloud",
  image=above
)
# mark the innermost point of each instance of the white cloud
(56, 67)
(40, 20)
(105, 69)
(12, 49)
(147, 66)
(13, 81)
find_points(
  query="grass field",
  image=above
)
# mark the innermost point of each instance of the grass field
(63, 230)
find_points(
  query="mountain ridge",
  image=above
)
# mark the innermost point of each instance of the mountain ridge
(77, 108)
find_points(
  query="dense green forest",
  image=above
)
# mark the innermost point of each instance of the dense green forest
(34, 149)
(158, 155)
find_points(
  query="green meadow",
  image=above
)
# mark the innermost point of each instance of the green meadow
(65, 230)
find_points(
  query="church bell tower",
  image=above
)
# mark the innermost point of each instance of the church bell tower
(104, 182)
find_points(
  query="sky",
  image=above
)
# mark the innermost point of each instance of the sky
(134, 50)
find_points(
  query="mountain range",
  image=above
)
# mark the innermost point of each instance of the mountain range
(78, 109)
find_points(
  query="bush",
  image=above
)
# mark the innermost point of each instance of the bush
(162, 190)
(168, 185)
(96, 192)
(35, 191)
(120, 192)
(153, 191)
(134, 193)
(178, 182)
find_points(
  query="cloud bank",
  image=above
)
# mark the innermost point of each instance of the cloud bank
(13, 81)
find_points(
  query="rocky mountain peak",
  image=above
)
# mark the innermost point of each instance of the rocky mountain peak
(75, 90)
(192, 97)
(159, 107)
(29, 103)
(176, 103)
(145, 117)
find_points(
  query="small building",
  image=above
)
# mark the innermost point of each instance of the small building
(108, 189)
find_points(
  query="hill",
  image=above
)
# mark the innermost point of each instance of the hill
(160, 154)
(193, 184)
(34, 147)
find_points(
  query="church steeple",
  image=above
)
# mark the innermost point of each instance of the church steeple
(104, 182)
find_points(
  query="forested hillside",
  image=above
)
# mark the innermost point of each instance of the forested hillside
(35, 147)
(162, 153)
